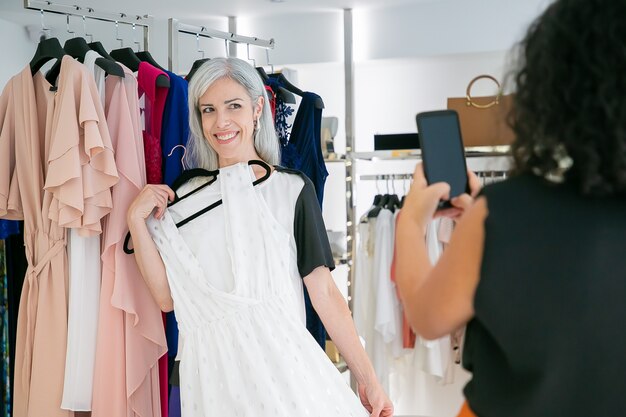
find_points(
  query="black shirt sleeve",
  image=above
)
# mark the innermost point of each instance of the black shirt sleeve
(310, 232)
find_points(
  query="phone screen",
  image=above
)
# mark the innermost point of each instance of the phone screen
(443, 155)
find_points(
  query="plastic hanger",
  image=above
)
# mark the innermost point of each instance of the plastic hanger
(78, 48)
(145, 56)
(282, 93)
(97, 46)
(196, 65)
(128, 57)
(200, 172)
(47, 49)
(284, 82)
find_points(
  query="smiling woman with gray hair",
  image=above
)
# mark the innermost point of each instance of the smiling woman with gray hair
(234, 275)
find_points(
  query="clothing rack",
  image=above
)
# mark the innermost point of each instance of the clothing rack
(45, 6)
(384, 177)
(486, 162)
(176, 28)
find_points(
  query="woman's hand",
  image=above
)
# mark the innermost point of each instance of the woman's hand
(375, 400)
(152, 196)
(422, 200)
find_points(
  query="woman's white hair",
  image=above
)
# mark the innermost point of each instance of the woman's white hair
(199, 152)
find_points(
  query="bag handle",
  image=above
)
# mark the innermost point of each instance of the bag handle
(468, 96)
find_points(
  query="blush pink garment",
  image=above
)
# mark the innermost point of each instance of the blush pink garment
(130, 335)
(56, 170)
(155, 103)
(153, 113)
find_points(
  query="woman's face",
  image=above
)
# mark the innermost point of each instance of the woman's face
(228, 118)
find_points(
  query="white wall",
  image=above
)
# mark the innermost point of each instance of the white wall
(300, 38)
(17, 50)
(441, 27)
(389, 93)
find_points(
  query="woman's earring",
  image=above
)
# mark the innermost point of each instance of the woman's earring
(257, 125)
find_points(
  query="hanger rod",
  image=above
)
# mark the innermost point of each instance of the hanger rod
(205, 32)
(89, 12)
(381, 177)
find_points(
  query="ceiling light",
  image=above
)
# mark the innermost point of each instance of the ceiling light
(278, 1)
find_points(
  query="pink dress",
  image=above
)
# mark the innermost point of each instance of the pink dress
(130, 332)
(56, 171)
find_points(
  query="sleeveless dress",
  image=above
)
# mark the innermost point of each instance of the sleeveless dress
(246, 352)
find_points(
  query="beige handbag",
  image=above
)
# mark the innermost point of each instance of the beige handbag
(483, 119)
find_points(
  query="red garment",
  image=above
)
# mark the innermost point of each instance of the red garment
(153, 115)
(272, 98)
(408, 336)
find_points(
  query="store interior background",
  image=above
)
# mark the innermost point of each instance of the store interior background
(408, 56)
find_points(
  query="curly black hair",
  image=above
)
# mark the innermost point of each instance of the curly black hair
(569, 112)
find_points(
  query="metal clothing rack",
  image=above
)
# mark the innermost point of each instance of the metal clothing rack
(384, 177)
(176, 28)
(45, 6)
(486, 162)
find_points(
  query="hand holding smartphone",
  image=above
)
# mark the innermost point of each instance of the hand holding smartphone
(443, 154)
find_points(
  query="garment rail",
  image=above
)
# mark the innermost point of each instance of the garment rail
(489, 174)
(176, 28)
(142, 21)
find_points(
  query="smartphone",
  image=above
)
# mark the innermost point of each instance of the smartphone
(443, 155)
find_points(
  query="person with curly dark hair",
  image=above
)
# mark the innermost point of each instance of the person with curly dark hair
(536, 267)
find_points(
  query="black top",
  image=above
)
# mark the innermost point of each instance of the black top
(548, 336)
(309, 230)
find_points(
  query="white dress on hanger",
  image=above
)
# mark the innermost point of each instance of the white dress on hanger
(364, 290)
(84, 298)
(388, 317)
(245, 351)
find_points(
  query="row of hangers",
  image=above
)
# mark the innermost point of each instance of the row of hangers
(389, 200)
(77, 47)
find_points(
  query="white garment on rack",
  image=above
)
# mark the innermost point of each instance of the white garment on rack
(245, 351)
(434, 356)
(84, 298)
(388, 319)
(363, 289)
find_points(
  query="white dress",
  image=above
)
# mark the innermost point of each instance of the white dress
(84, 298)
(245, 351)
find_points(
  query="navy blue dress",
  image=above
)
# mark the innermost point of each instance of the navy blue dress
(302, 151)
(174, 131)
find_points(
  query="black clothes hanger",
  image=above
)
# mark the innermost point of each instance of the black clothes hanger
(78, 48)
(128, 57)
(194, 173)
(196, 64)
(282, 93)
(267, 174)
(319, 103)
(47, 49)
(382, 202)
(97, 46)
(393, 203)
(145, 56)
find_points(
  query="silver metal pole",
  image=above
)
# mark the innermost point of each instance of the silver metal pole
(232, 28)
(351, 223)
(172, 45)
(231, 37)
